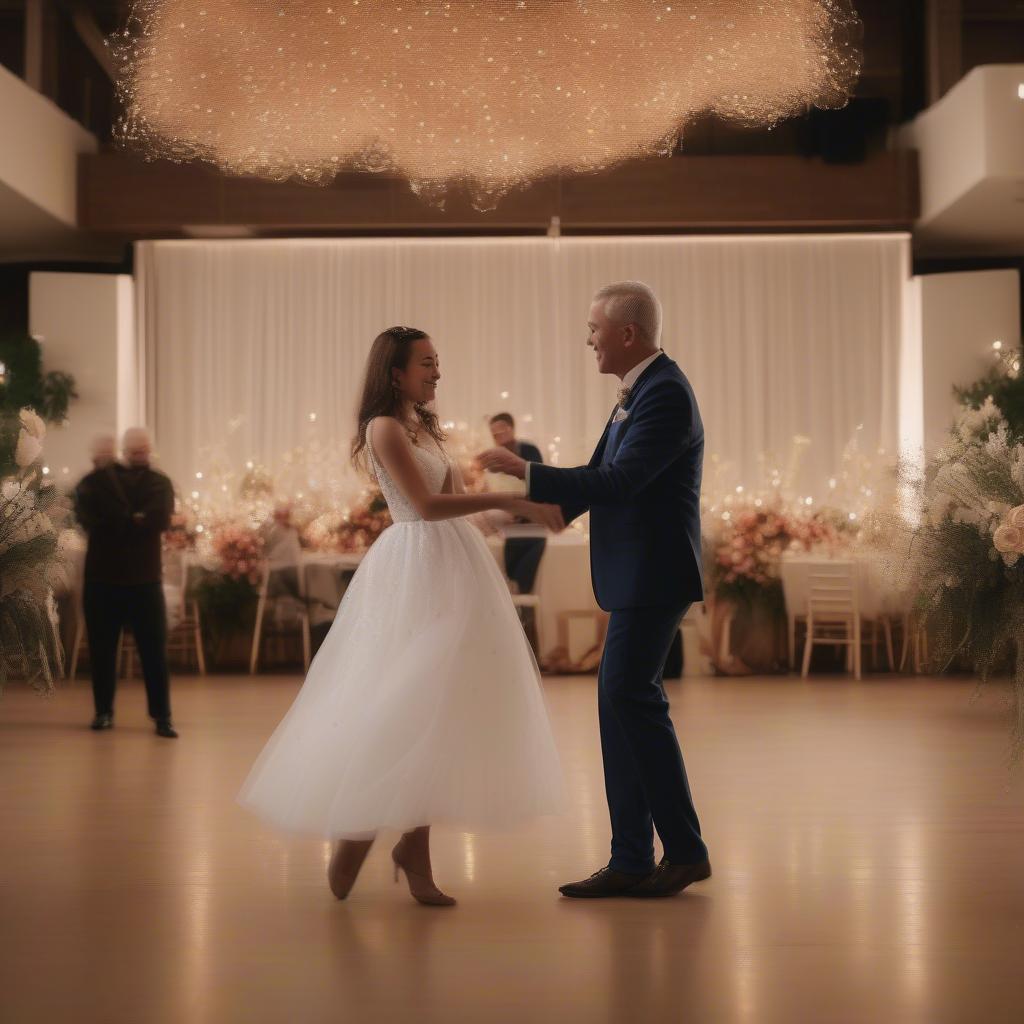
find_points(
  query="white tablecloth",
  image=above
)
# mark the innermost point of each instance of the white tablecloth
(879, 591)
(563, 581)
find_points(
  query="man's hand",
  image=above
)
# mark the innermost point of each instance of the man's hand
(501, 460)
(549, 516)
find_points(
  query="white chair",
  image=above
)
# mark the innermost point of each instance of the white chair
(532, 601)
(833, 612)
(302, 611)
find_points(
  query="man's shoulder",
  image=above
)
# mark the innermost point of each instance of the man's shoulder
(529, 451)
(667, 381)
(95, 478)
(153, 476)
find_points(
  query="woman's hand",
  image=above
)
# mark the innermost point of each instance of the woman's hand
(545, 515)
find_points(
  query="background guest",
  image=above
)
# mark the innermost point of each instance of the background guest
(282, 547)
(124, 509)
(103, 450)
(281, 537)
(522, 554)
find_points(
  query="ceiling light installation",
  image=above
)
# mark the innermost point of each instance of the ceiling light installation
(487, 95)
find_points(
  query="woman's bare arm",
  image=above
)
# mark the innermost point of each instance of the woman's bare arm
(392, 448)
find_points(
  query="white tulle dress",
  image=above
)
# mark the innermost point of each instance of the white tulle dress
(423, 706)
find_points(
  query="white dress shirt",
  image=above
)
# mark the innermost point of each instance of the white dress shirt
(634, 375)
(627, 382)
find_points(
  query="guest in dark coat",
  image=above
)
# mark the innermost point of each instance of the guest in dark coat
(125, 508)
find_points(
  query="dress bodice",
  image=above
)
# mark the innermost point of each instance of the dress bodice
(433, 465)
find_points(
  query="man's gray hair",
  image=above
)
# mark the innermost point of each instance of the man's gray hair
(632, 302)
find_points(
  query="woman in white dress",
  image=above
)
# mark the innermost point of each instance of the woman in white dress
(423, 706)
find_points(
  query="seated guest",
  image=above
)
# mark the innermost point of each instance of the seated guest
(522, 554)
(283, 548)
(281, 537)
(124, 509)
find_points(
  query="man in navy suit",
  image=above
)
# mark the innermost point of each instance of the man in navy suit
(642, 488)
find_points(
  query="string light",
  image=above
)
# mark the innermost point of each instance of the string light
(487, 95)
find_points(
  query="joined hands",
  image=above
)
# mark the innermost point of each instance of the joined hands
(501, 460)
(546, 515)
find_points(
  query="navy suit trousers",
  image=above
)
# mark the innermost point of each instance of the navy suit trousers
(645, 779)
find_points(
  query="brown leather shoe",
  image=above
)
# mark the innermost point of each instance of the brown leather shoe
(602, 884)
(669, 879)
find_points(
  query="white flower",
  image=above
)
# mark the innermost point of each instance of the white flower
(29, 449)
(33, 423)
(1008, 539)
(10, 489)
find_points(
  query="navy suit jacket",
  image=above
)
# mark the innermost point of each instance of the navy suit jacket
(642, 488)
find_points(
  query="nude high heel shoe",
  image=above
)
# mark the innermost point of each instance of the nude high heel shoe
(421, 888)
(346, 861)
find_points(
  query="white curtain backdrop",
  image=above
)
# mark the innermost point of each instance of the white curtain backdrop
(781, 336)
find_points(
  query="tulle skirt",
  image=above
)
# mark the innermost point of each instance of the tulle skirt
(423, 706)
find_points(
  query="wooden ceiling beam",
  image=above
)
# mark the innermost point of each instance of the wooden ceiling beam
(121, 195)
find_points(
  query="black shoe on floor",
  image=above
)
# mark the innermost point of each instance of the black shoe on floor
(601, 885)
(101, 722)
(165, 729)
(669, 879)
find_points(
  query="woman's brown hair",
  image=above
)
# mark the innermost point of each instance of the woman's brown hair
(390, 351)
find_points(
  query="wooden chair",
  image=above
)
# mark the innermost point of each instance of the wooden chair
(833, 612)
(302, 610)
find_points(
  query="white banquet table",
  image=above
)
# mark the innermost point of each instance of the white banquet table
(563, 581)
(880, 592)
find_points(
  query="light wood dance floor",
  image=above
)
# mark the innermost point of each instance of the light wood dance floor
(867, 843)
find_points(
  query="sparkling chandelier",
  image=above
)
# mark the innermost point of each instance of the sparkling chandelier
(483, 94)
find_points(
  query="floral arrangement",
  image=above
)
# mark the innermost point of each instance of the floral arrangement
(1008, 536)
(965, 556)
(29, 557)
(1002, 386)
(227, 595)
(351, 531)
(746, 548)
(240, 550)
(182, 535)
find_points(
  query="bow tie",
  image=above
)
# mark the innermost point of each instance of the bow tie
(624, 394)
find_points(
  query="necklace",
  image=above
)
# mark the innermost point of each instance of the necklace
(413, 431)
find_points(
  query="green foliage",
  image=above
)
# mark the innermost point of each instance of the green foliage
(26, 386)
(226, 605)
(745, 592)
(30, 567)
(969, 594)
(58, 393)
(27, 640)
(23, 362)
(1005, 385)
